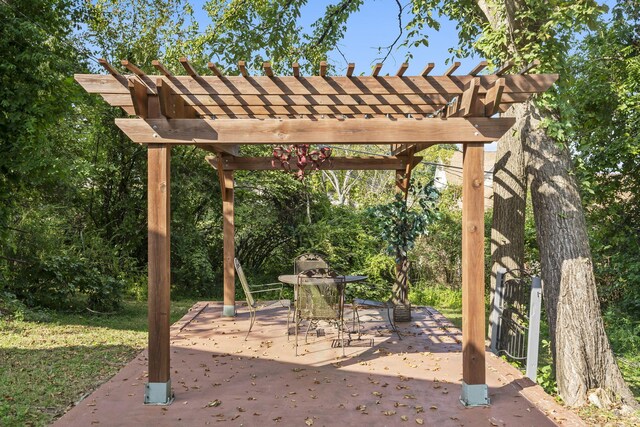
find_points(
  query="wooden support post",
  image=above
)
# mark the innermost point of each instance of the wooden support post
(228, 232)
(158, 390)
(474, 390)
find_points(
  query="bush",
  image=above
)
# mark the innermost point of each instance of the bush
(435, 296)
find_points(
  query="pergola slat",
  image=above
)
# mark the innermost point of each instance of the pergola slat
(214, 69)
(296, 69)
(158, 66)
(133, 68)
(243, 69)
(451, 69)
(533, 64)
(478, 68)
(323, 68)
(425, 72)
(376, 70)
(268, 71)
(189, 68)
(402, 69)
(347, 131)
(107, 66)
(504, 68)
(350, 69)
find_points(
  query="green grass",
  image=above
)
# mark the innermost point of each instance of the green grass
(47, 365)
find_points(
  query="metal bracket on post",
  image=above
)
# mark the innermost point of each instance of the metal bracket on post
(496, 310)
(474, 395)
(535, 308)
(158, 393)
(228, 311)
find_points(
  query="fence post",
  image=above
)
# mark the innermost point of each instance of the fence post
(496, 310)
(535, 308)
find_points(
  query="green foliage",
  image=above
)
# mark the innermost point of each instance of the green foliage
(438, 296)
(399, 223)
(605, 134)
(258, 31)
(437, 254)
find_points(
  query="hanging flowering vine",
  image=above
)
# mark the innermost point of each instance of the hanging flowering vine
(303, 158)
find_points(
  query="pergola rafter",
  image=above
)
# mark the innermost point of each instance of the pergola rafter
(221, 113)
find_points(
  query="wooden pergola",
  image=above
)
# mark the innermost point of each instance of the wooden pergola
(220, 113)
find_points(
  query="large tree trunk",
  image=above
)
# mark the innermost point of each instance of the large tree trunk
(582, 355)
(509, 200)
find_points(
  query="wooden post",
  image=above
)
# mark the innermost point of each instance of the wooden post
(474, 389)
(228, 243)
(158, 389)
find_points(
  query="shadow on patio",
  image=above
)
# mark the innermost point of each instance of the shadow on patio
(219, 377)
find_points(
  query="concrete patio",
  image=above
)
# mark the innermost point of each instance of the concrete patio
(219, 378)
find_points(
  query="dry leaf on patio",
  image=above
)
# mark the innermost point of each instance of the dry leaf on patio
(276, 419)
(213, 404)
(377, 393)
(409, 396)
(433, 408)
(389, 413)
(309, 421)
(419, 421)
(361, 407)
(419, 409)
(404, 418)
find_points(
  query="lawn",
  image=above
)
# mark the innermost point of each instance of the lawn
(48, 365)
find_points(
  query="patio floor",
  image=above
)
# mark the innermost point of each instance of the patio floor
(219, 378)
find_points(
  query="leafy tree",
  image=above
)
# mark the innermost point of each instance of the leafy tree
(604, 97)
(401, 222)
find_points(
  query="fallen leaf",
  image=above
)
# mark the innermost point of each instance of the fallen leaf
(276, 419)
(309, 421)
(213, 404)
(404, 418)
(389, 413)
(433, 408)
(419, 421)
(377, 393)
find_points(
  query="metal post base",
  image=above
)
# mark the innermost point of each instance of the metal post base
(474, 395)
(228, 311)
(158, 393)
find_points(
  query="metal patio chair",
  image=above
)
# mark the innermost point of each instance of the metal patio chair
(308, 261)
(250, 291)
(319, 297)
(387, 305)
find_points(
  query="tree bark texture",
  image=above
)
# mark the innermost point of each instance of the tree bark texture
(509, 200)
(582, 354)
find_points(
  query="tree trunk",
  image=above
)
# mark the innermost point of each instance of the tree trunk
(509, 200)
(583, 358)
